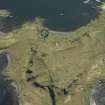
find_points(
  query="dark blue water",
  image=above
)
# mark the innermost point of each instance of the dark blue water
(60, 15)
(3, 61)
(8, 92)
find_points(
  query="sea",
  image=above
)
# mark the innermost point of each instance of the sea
(59, 15)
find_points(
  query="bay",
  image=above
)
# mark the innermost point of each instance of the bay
(59, 15)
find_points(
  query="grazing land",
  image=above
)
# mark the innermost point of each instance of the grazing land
(55, 68)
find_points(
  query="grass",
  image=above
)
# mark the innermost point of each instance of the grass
(4, 13)
(69, 56)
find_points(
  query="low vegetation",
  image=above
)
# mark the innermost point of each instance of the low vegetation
(60, 70)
